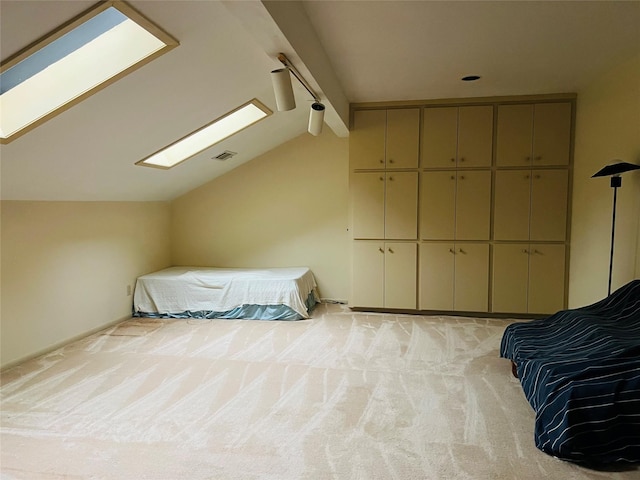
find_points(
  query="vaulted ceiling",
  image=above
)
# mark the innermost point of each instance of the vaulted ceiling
(349, 51)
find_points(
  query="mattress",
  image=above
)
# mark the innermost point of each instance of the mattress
(580, 371)
(265, 294)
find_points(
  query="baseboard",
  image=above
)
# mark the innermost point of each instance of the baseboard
(61, 344)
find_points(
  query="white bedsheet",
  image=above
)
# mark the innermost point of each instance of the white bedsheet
(181, 289)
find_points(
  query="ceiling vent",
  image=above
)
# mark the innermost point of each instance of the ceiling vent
(226, 155)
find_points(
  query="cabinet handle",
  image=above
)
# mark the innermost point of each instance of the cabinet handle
(527, 177)
(451, 250)
(537, 252)
(391, 160)
(539, 157)
(390, 251)
(527, 158)
(536, 177)
(382, 179)
(381, 249)
(461, 177)
(453, 160)
(381, 160)
(391, 179)
(462, 159)
(462, 251)
(524, 250)
(453, 177)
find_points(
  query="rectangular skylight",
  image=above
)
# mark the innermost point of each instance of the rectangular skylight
(212, 133)
(81, 57)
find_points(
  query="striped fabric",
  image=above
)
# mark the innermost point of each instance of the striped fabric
(580, 371)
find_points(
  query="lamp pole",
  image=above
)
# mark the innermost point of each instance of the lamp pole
(616, 182)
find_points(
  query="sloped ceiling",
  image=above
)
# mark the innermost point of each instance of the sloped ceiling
(350, 51)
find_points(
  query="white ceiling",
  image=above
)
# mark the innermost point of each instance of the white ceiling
(377, 51)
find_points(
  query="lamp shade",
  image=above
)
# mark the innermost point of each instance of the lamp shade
(283, 90)
(615, 169)
(316, 118)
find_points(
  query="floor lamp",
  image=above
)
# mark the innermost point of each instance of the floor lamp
(614, 170)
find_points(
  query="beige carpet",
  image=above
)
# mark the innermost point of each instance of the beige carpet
(341, 396)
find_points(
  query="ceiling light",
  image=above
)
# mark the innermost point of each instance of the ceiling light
(81, 57)
(203, 138)
(284, 94)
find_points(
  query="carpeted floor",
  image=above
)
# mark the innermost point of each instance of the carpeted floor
(341, 396)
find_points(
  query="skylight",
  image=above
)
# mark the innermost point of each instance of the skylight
(203, 138)
(81, 57)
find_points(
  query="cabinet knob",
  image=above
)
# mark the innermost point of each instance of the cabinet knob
(526, 177)
(451, 250)
(539, 157)
(462, 251)
(381, 250)
(453, 177)
(461, 177)
(391, 179)
(536, 176)
(382, 179)
(524, 250)
(391, 160)
(390, 251)
(381, 160)
(453, 160)
(527, 158)
(462, 159)
(537, 252)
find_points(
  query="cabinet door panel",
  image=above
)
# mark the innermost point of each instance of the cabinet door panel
(511, 207)
(552, 134)
(367, 199)
(436, 276)
(514, 136)
(510, 278)
(439, 137)
(400, 275)
(438, 205)
(475, 136)
(401, 206)
(548, 205)
(366, 141)
(471, 292)
(546, 278)
(473, 205)
(403, 133)
(367, 289)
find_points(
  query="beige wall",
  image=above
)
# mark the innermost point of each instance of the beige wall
(66, 267)
(607, 128)
(287, 207)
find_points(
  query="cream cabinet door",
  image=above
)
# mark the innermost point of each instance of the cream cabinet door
(401, 206)
(510, 278)
(549, 196)
(473, 205)
(400, 275)
(511, 205)
(367, 201)
(552, 134)
(403, 138)
(475, 136)
(546, 278)
(514, 135)
(437, 264)
(471, 285)
(439, 137)
(367, 288)
(367, 139)
(438, 205)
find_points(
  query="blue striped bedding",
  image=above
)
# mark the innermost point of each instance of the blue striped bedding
(580, 371)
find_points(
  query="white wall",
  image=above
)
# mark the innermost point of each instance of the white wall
(66, 267)
(288, 207)
(607, 128)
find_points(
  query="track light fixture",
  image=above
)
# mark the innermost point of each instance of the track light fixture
(285, 100)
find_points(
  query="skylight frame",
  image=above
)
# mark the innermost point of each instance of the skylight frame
(254, 102)
(124, 8)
